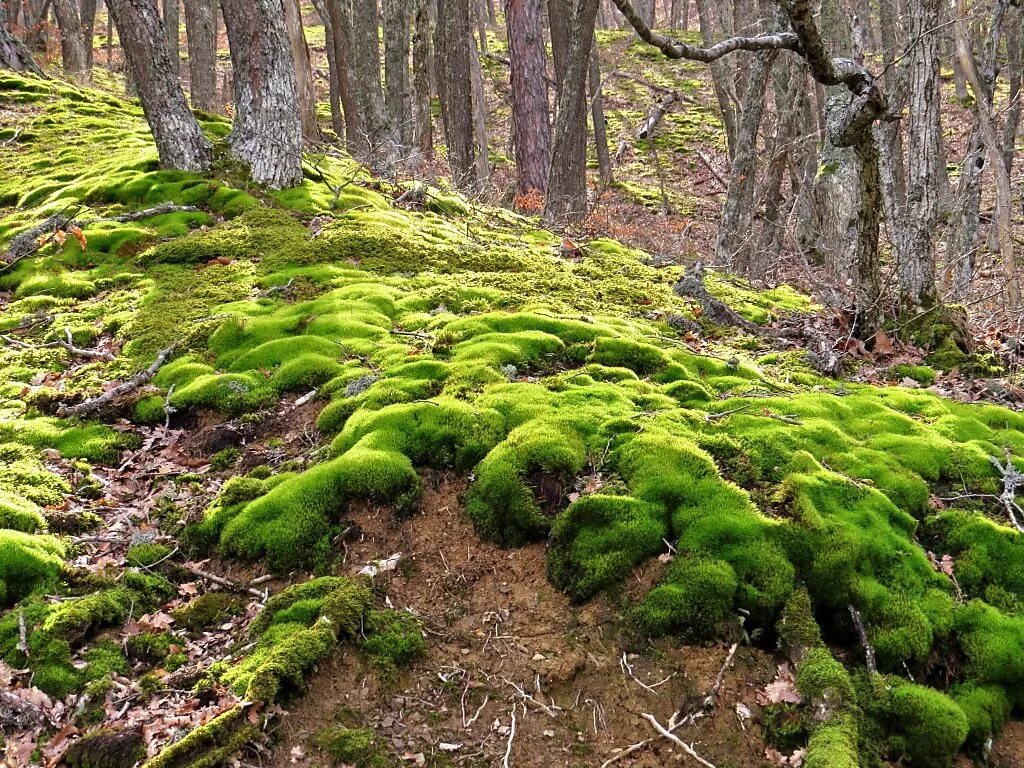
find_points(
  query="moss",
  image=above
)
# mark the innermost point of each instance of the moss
(355, 746)
(19, 514)
(342, 601)
(695, 598)
(986, 709)
(150, 647)
(26, 563)
(797, 627)
(922, 374)
(229, 392)
(930, 727)
(106, 748)
(598, 540)
(624, 353)
(821, 678)
(205, 611)
(209, 745)
(833, 745)
(394, 639)
(149, 410)
(146, 554)
(225, 459)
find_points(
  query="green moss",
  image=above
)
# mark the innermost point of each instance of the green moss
(833, 745)
(931, 728)
(395, 639)
(986, 709)
(624, 353)
(695, 598)
(797, 627)
(147, 554)
(922, 374)
(210, 745)
(19, 514)
(354, 746)
(149, 410)
(204, 611)
(225, 459)
(598, 540)
(821, 678)
(106, 748)
(26, 563)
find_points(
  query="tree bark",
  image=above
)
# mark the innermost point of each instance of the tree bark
(722, 75)
(72, 46)
(172, 23)
(396, 21)
(341, 38)
(14, 54)
(88, 28)
(604, 160)
(736, 245)
(337, 118)
(566, 200)
(483, 167)
(530, 127)
(267, 134)
(303, 70)
(179, 140)
(454, 72)
(378, 144)
(422, 76)
(917, 268)
(201, 31)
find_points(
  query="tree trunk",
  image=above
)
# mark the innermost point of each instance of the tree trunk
(454, 85)
(380, 145)
(483, 167)
(72, 47)
(303, 70)
(179, 140)
(567, 181)
(422, 75)
(397, 19)
(604, 160)
(267, 134)
(341, 38)
(14, 55)
(736, 245)
(722, 78)
(917, 268)
(201, 31)
(963, 241)
(172, 23)
(337, 119)
(88, 29)
(530, 127)
(1014, 67)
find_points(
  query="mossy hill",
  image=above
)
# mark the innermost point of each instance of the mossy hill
(461, 337)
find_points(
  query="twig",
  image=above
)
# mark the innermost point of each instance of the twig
(476, 714)
(550, 711)
(711, 167)
(22, 634)
(228, 583)
(862, 633)
(628, 670)
(676, 740)
(112, 394)
(709, 700)
(511, 735)
(95, 354)
(1012, 480)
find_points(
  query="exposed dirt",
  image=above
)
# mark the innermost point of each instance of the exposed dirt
(493, 623)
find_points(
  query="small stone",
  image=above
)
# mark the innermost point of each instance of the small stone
(465, 651)
(539, 657)
(549, 733)
(387, 722)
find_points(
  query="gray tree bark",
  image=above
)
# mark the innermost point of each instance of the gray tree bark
(337, 118)
(179, 140)
(172, 23)
(597, 120)
(531, 130)
(201, 31)
(341, 39)
(454, 49)
(397, 21)
(379, 142)
(423, 76)
(483, 167)
(72, 46)
(14, 54)
(722, 74)
(566, 200)
(88, 28)
(267, 134)
(303, 70)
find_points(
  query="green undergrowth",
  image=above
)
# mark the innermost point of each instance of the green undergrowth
(459, 339)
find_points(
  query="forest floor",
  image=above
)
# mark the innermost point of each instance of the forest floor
(465, 342)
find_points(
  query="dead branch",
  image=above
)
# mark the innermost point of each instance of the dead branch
(94, 354)
(691, 285)
(676, 740)
(101, 401)
(1012, 480)
(223, 582)
(654, 115)
(714, 171)
(709, 700)
(862, 633)
(145, 213)
(549, 711)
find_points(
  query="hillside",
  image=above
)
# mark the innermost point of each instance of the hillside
(395, 478)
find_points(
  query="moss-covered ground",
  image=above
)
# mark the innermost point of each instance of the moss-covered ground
(459, 338)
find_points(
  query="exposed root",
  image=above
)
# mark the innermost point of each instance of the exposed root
(676, 740)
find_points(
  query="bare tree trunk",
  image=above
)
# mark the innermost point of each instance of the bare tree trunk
(567, 181)
(88, 28)
(381, 145)
(179, 141)
(453, 41)
(483, 167)
(604, 160)
(72, 47)
(14, 55)
(422, 75)
(337, 119)
(736, 245)
(341, 38)
(1014, 67)
(722, 78)
(530, 127)
(267, 134)
(172, 23)
(963, 240)
(201, 29)
(397, 20)
(303, 70)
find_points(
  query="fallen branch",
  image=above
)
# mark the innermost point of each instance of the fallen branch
(142, 377)
(94, 354)
(654, 115)
(691, 285)
(711, 167)
(223, 582)
(1012, 480)
(709, 700)
(632, 748)
(676, 740)
(862, 633)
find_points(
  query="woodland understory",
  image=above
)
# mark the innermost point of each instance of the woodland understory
(541, 384)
